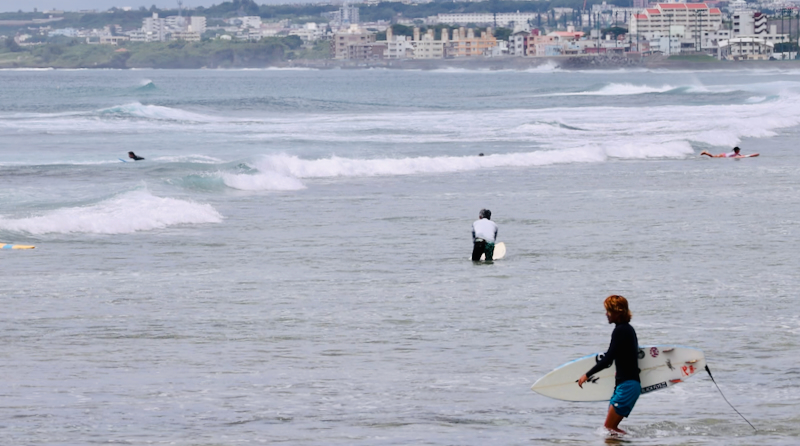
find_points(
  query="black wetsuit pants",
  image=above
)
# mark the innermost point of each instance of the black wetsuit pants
(480, 247)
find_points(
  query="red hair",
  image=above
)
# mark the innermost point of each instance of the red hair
(617, 307)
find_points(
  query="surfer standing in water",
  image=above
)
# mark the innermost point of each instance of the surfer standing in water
(624, 352)
(734, 154)
(484, 235)
(134, 157)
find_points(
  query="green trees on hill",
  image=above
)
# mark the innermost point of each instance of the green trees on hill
(213, 54)
(177, 54)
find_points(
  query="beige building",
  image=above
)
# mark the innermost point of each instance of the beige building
(113, 40)
(417, 46)
(465, 44)
(556, 43)
(342, 40)
(462, 44)
(366, 51)
(189, 36)
(427, 47)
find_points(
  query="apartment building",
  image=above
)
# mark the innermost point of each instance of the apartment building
(690, 20)
(517, 43)
(342, 40)
(466, 44)
(155, 29)
(504, 19)
(556, 43)
(428, 47)
(197, 24)
(748, 22)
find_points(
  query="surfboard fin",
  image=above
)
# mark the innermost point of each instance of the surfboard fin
(726, 400)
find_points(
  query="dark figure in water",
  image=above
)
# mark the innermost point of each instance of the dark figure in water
(484, 236)
(133, 156)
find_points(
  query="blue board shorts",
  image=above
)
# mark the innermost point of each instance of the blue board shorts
(625, 396)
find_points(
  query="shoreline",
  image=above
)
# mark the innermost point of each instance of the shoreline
(503, 63)
(576, 63)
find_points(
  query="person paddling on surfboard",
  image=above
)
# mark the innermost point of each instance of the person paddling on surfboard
(734, 154)
(484, 235)
(624, 352)
(134, 157)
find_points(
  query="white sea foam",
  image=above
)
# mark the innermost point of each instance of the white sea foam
(279, 169)
(195, 158)
(157, 112)
(548, 67)
(127, 213)
(621, 90)
(269, 180)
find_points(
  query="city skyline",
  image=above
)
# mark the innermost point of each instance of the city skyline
(102, 5)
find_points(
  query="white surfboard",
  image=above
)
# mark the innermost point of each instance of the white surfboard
(499, 252)
(660, 366)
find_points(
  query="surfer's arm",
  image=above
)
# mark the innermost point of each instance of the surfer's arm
(607, 359)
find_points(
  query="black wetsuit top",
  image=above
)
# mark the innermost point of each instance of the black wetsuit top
(624, 351)
(136, 158)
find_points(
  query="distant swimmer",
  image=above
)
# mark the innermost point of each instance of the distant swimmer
(624, 354)
(484, 235)
(734, 154)
(480, 154)
(134, 157)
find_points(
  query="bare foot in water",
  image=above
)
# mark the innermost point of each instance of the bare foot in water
(615, 432)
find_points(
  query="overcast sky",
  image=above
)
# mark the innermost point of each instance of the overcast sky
(76, 5)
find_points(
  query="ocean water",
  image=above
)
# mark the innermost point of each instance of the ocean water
(289, 263)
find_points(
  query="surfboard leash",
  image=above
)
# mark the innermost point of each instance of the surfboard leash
(726, 400)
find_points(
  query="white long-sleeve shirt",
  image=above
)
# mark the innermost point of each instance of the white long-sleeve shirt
(485, 229)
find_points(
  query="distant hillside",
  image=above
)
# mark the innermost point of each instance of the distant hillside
(210, 54)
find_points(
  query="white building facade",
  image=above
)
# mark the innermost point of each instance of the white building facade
(687, 21)
(505, 19)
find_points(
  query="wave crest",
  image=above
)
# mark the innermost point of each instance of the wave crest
(155, 112)
(283, 172)
(124, 214)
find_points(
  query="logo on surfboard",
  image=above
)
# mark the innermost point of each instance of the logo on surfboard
(654, 387)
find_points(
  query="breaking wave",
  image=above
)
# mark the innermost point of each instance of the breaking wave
(124, 214)
(285, 172)
(157, 112)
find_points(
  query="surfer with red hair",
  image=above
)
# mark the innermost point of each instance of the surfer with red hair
(624, 352)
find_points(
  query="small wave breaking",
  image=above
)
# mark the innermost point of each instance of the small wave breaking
(146, 85)
(156, 112)
(285, 172)
(124, 214)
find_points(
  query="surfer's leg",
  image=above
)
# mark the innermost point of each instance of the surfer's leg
(489, 250)
(477, 250)
(625, 396)
(613, 419)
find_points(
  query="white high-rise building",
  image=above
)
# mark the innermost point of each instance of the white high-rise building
(155, 29)
(689, 22)
(197, 24)
(748, 22)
